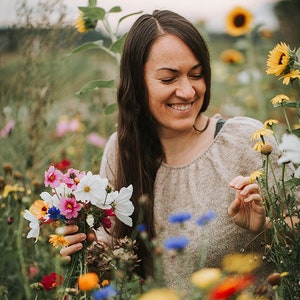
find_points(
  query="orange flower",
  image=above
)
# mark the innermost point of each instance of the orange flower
(39, 208)
(88, 281)
(230, 286)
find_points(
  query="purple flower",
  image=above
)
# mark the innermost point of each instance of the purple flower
(176, 243)
(105, 293)
(141, 227)
(180, 217)
(54, 214)
(204, 219)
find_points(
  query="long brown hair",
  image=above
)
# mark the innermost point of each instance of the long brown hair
(140, 152)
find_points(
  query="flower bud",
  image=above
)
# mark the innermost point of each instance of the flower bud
(7, 167)
(266, 149)
(274, 279)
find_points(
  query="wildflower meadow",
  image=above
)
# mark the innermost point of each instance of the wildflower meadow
(58, 107)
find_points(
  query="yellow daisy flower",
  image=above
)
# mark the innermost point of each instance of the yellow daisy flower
(258, 145)
(255, 175)
(292, 75)
(206, 277)
(11, 189)
(232, 56)
(278, 59)
(39, 208)
(241, 263)
(160, 294)
(259, 133)
(58, 241)
(238, 21)
(270, 122)
(280, 99)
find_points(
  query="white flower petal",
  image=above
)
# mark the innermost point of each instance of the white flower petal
(291, 149)
(297, 173)
(124, 219)
(34, 225)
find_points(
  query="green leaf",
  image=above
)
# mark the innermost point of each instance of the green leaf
(115, 9)
(111, 108)
(292, 183)
(89, 45)
(132, 14)
(92, 2)
(94, 13)
(117, 46)
(96, 84)
(292, 104)
(296, 132)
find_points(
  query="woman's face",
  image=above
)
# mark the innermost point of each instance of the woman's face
(175, 84)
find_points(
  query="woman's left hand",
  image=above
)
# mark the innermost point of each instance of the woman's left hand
(247, 209)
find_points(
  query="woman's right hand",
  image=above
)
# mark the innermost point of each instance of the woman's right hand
(75, 241)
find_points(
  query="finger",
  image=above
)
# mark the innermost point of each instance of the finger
(68, 251)
(239, 182)
(252, 188)
(234, 207)
(254, 197)
(75, 238)
(65, 230)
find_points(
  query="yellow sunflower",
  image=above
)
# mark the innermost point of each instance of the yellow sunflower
(280, 99)
(278, 59)
(238, 21)
(232, 56)
(83, 24)
(292, 75)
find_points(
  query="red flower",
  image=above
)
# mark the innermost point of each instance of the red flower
(52, 281)
(63, 165)
(230, 286)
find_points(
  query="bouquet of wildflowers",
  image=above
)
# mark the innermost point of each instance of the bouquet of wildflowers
(282, 197)
(79, 198)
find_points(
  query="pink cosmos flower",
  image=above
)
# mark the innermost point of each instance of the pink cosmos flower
(7, 129)
(72, 178)
(53, 177)
(65, 126)
(69, 207)
(95, 139)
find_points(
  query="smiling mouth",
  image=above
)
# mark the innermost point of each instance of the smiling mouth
(181, 107)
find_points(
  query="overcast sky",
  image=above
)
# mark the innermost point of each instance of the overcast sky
(213, 12)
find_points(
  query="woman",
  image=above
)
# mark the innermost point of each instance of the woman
(180, 158)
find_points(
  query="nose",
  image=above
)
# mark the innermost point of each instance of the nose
(185, 89)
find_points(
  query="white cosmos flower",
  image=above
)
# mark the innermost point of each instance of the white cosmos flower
(52, 200)
(91, 188)
(290, 146)
(90, 220)
(34, 225)
(123, 207)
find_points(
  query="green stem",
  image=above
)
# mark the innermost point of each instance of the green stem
(287, 120)
(21, 257)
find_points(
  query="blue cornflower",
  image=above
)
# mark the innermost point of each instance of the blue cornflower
(180, 217)
(176, 243)
(141, 227)
(105, 293)
(204, 219)
(54, 214)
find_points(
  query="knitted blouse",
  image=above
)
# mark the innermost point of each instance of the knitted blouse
(199, 187)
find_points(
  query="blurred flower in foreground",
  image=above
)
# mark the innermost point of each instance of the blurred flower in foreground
(176, 243)
(51, 281)
(232, 56)
(160, 294)
(241, 263)
(105, 293)
(88, 281)
(230, 286)
(206, 277)
(64, 126)
(180, 217)
(238, 21)
(205, 218)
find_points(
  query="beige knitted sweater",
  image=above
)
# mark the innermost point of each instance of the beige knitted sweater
(198, 187)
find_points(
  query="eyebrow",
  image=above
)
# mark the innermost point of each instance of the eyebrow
(174, 70)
